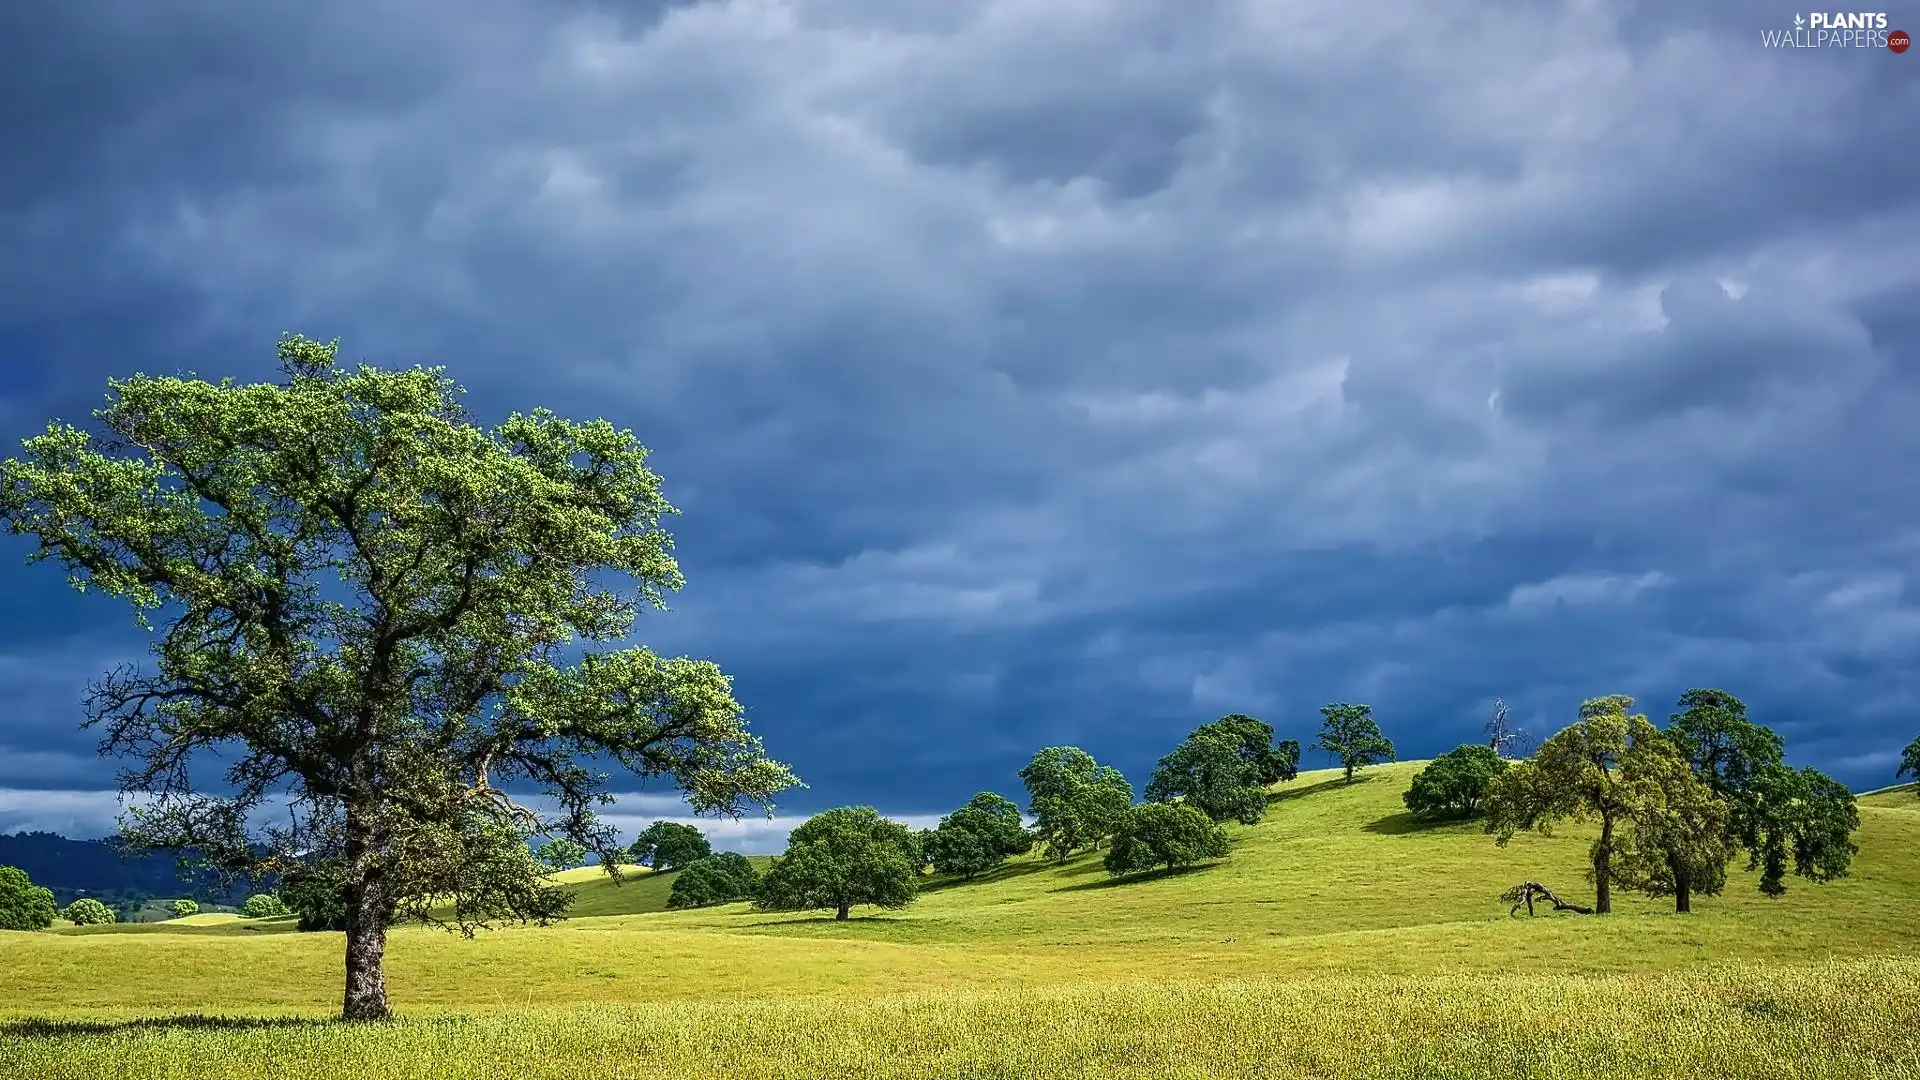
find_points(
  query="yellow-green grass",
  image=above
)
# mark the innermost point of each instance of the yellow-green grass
(1338, 888)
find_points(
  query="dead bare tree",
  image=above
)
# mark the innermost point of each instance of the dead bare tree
(1525, 893)
(1505, 739)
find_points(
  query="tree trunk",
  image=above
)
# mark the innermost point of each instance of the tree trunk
(367, 913)
(841, 911)
(1349, 766)
(1682, 886)
(1603, 867)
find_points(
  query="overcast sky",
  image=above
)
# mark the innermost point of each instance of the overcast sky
(1041, 372)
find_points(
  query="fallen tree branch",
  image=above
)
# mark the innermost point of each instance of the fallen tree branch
(1525, 893)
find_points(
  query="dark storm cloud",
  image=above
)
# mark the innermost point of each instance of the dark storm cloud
(1035, 373)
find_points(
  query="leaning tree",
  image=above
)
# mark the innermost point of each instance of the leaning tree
(373, 608)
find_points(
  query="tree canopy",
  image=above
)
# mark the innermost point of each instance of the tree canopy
(669, 845)
(1349, 733)
(87, 911)
(1164, 835)
(1209, 773)
(372, 605)
(1454, 784)
(841, 858)
(560, 853)
(715, 879)
(977, 837)
(24, 905)
(1076, 802)
(1253, 740)
(1910, 763)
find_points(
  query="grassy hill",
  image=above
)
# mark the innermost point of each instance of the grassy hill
(1337, 884)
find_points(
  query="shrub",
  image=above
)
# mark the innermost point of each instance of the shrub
(87, 911)
(183, 908)
(263, 906)
(24, 905)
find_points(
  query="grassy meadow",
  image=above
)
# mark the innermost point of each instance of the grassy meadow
(1340, 939)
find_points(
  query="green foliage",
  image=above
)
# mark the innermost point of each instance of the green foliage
(977, 837)
(183, 908)
(1349, 733)
(1910, 763)
(840, 858)
(318, 894)
(371, 597)
(1677, 843)
(1454, 784)
(669, 845)
(263, 906)
(1076, 802)
(24, 905)
(87, 911)
(1799, 818)
(1167, 835)
(1275, 762)
(560, 854)
(716, 879)
(1208, 773)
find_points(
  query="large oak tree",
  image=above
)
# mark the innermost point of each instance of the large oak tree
(372, 609)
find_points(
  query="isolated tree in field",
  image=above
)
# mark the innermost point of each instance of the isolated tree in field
(1503, 737)
(1454, 784)
(1349, 733)
(716, 879)
(1076, 802)
(1910, 763)
(1573, 777)
(1253, 740)
(840, 858)
(183, 908)
(560, 854)
(371, 607)
(1208, 773)
(1799, 821)
(24, 905)
(263, 906)
(87, 911)
(1164, 835)
(977, 837)
(669, 845)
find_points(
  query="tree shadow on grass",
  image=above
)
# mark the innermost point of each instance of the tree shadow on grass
(1003, 873)
(54, 1029)
(1290, 793)
(1135, 879)
(1404, 823)
(825, 918)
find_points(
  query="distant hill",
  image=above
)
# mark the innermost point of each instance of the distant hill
(98, 868)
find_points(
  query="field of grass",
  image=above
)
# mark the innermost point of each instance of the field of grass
(1341, 938)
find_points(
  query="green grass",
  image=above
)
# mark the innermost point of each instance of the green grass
(1337, 925)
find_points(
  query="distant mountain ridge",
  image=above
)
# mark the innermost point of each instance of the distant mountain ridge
(99, 868)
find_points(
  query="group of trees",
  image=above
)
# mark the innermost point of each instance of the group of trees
(1673, 806)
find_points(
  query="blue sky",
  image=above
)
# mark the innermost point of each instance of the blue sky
(1034, 372)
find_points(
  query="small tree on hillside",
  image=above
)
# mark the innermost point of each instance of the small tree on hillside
(669, 845)
(87, 911)
(840, 858)
(375, 606)
(1165, 835)
(1208, 773)
(1349, 733)
(1076, 801)
(560, 854)
(1910, 763)
(183, 908)
(1454, 784)
(716, 879)
(263, 906)
(1788, 820)
(1677, 843)
(1573, 778)
(977, 837)
(24, 905)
